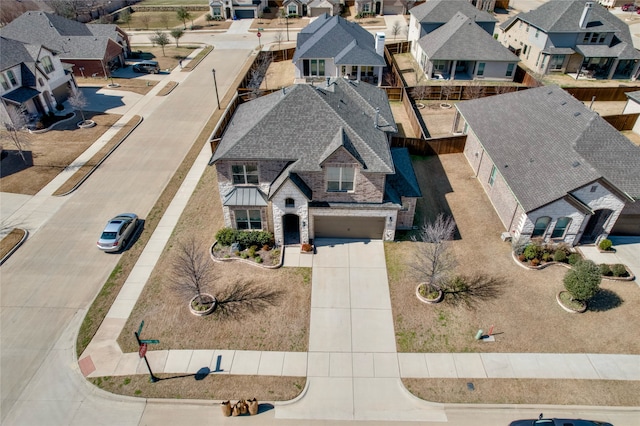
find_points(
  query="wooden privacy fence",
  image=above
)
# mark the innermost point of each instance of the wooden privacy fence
(622, 121)
(435, 146)
(601, 93)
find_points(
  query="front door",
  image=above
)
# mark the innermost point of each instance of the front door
(291, 228)
(595, 227)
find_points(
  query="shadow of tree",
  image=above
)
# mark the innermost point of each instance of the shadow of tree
(242, 298)
(468, 291)
(604, 300)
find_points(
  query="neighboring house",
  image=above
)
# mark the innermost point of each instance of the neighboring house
(92, 49)
(314, 161)
(311, 8)
(383, 7)
(33, 80)
(633, 107)
(237, 9)
(614, 3)
(334, 47)
(575, 37)
(460, 49)
(552, 168)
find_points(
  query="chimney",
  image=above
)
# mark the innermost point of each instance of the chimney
(377, 116)
(586, 12)
(380, 44)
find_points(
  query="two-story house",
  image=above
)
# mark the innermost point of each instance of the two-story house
(576, 37)
(236, 9)
(311, 8)
(33, 80)
(92, 49)
(315, 161)
(552, 168)
(334, 47)
(453, 39)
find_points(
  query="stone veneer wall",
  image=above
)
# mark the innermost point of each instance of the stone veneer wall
(289, 190)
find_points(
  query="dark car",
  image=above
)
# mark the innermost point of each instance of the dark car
(540, 421)
(117, 232)
(150, 67)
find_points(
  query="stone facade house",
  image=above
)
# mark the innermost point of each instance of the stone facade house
(33, 81)
(311, 8)
(92, 49)
(315, 161)
(236, 9)
(552, 168)
(334, 47)
(575, 37)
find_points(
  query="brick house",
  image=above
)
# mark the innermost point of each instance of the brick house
(33, 80)
(552, 168)
(92, 49)
(335, 47)
(575, 37)
(314, 161)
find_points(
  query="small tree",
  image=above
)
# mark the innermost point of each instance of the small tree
(446, 90)
(396, 29)
(145, 19)
(125, 17)
(79, 102)
(421, 93)
(583, 281)
(161, 39)
(192, 270)
(183, 15)
(164, 20)
(434, 260)
(279, 38)
(14, 130)
(177, 33)
(474, 91)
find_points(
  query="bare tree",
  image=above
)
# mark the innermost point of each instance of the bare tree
(70, 9)
(390, 79)
(145, 19)
(192, 270)
(164, 20)
(396, 29)
(161, 39)
(15, 130)
(500, 90)
(279, 38)
(10, 11)
(434, 260)
(78, 101)
(177, 33)
(125, 17)
(421, 93)
(446, 90)
(474, 91)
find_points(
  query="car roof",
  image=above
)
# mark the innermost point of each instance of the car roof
(113, 225)
(146, 62)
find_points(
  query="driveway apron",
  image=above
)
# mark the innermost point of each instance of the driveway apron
(352, 368)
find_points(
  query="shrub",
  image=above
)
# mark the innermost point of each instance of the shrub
(605, 244)
(258, 259)
(574, 258)
(226, 236)
(267, 9)
(546, 256)
(252, 251)
(605, 270)
(583, 281)
(535, 261)
(619, 270)
(266, 247)
(306, 247)
(560, 256)
(531, 251)
(521, 257)
(208, 17)
(244, 255)
(275, 256)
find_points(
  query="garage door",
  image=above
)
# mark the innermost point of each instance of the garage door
(393, 10)
(244, 13)
(348, 227)
(317, 11)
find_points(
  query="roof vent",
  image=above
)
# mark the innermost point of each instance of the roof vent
(284, 91)
(575, 163)
(577, 113)
(563, 103)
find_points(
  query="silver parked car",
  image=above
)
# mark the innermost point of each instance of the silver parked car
(118, 231)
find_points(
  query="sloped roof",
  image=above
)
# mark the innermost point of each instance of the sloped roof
(441, 11)
(462, 39)
(335, 37)
(545, 144)
(69, 39)
(299, 123)
(403, 182)
(14, 53)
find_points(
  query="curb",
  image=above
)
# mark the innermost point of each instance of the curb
(16, 247)
(102, 160)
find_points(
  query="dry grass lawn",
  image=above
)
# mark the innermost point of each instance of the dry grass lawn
(525, 314)
(281, 327)
(51, 152)
(279, 74)
(439, 120)
(136, 85)
(10, 241)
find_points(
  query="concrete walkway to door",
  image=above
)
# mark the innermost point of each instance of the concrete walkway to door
(353, 371)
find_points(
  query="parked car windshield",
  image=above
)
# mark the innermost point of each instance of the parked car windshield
(108, 235)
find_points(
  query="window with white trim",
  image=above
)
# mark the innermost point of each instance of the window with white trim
(366, 8)
(248, 219)
(217, 11)
(245, 174)
(562, 224)
(540, 227)
(4, 82)
(556, 62)
(12, 78)
(492, 176)
(340, 179)
(47, 65)
(480, 68)
(510, 68)
(292, 9)
(289, 202)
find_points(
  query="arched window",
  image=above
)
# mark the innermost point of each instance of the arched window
(289, 202)
(561, 227)
(540, 227)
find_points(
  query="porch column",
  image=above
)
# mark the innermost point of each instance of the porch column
(452, 76)
(359, 70)
(380, 76)
(634, 73)
(612, 70)
(456, 122)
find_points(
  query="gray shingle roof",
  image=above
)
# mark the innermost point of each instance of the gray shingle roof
(70, 39)
(441, 11)
(302, 123)
(634, 96)
(403, 182)
(14, 53)
(462, 39)
(545, 144)
(334, 37)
